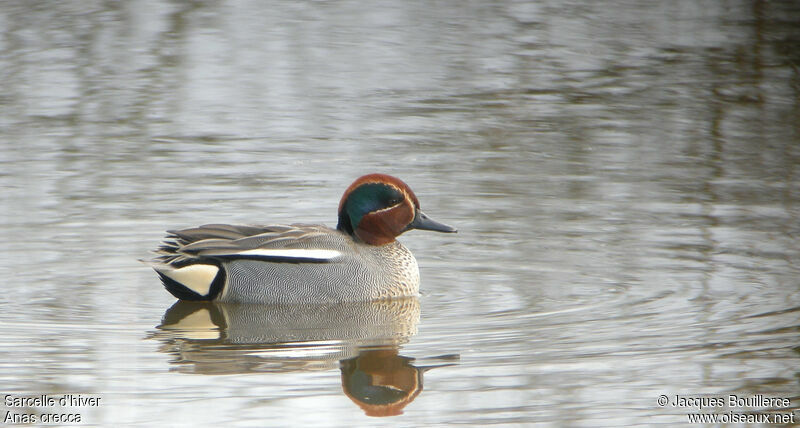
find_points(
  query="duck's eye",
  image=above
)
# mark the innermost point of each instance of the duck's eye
(394, 201)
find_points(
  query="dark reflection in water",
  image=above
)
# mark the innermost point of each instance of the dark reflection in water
(363, 338)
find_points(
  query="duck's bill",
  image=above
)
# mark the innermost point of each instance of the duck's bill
(423, 222)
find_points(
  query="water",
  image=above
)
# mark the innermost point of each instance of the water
(624, 177)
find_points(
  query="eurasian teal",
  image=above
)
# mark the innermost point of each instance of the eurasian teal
(300, 263)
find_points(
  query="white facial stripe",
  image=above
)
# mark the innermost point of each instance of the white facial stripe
(385, 209)
(197, 278)
(405, 196)
(392, 206)
(293, 253)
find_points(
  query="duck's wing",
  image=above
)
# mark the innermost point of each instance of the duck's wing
(294, 243)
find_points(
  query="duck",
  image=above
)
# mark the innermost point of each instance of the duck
(359, 260)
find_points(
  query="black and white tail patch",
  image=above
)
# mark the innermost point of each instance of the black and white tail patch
(193, 282)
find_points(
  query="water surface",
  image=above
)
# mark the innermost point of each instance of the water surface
(624, 177)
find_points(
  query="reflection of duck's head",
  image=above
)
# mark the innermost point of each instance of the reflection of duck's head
(381, 382)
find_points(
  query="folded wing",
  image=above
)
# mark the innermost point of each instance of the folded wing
(295, 243)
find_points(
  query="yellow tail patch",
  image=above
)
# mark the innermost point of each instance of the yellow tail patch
(197, 278)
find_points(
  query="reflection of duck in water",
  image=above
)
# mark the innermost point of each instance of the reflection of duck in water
(361, 338)
(360, 260)
(234, 338)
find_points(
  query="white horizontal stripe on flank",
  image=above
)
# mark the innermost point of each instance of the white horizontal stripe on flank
(292, 253)
(197, 278)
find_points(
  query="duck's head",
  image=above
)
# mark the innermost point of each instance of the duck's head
(377, 208)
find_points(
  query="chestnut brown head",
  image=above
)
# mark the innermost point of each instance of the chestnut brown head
(377, 208)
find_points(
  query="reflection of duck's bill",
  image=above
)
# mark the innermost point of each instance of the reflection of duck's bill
(445, 360)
